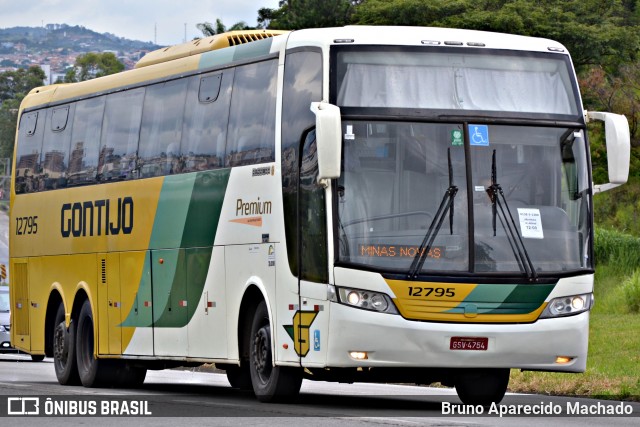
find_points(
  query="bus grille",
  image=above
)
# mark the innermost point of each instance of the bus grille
(237, 39)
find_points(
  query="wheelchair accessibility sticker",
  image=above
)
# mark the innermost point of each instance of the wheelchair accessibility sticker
(479, 135)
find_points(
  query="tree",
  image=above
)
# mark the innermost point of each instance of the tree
(17, 84)
(208, 29)
(14, 86)
(298, 14)
(595, 32)
(92, 65)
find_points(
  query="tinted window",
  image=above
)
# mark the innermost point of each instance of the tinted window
(205, 123)
(313, 219)
(29, 148)
(119, 145)
(252, 117)
(159, 152)
(85, 141)
(302, 85)
(55, 149)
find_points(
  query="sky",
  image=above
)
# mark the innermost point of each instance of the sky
(133, 19)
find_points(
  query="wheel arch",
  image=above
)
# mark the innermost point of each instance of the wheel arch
(55, 299)
(251, 298)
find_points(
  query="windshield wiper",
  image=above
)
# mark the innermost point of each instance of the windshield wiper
(498, 205)
(446, 205)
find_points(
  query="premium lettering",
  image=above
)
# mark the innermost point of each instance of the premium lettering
(97, 218)
(252, 208)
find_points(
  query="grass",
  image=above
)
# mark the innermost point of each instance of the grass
(613, 364)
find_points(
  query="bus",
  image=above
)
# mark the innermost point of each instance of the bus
(357, 204)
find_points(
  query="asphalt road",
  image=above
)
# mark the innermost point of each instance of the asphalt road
(186, 397)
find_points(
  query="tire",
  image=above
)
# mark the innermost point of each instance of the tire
(239, 377)
(92, 372)
(64, 350)
(482, 386)
(128, 375)
(37, 357)
(270, 383)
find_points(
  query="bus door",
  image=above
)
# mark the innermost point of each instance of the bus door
(20, 309)
(109, 304)
(137, 312)
(207, 327)
(170, 306)
(312, 319)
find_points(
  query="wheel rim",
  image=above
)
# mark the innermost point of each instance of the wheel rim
(262, 354)
(61, 346)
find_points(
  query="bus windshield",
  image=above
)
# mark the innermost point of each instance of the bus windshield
(457, 79)
(396, 176)
(412, 198)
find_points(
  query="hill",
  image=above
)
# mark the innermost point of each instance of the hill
(58, 45)
(54, 37)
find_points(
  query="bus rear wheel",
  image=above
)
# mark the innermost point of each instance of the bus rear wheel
(482, 386)
(93, 372)
(270, 383)
(64, 350)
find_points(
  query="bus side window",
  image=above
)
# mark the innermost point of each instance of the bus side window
(313, 219)
(55, 148)
(85, 141)
(120, 129)
(29, 148)
(204, 132)
(159, 152)
(251, 137)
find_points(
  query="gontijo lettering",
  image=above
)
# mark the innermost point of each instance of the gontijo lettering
(98, 217)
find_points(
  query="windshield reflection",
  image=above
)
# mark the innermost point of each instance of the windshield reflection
(395, 174)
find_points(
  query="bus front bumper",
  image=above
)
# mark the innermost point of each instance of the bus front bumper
(392, 341)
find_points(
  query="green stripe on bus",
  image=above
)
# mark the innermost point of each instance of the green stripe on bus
(171, 212)
(182, 239)
(505, 299)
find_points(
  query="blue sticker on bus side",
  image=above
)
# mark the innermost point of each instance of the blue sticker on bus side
(479, 135)
(316, 340)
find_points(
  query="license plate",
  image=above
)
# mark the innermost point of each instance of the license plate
(469, 343)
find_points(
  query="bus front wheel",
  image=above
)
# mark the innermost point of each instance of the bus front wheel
(482, 386)
(239, 377)
(270, 383)
(64, 347)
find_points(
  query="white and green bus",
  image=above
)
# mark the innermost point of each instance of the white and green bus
(349, 204)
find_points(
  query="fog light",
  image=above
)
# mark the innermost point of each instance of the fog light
(562, 360)
(359, 355)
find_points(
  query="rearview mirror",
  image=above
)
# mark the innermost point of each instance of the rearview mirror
(328, 140)
(618, 148)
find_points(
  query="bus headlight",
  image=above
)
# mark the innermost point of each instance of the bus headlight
(3, 329)
(368, 300)
(568, 306)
